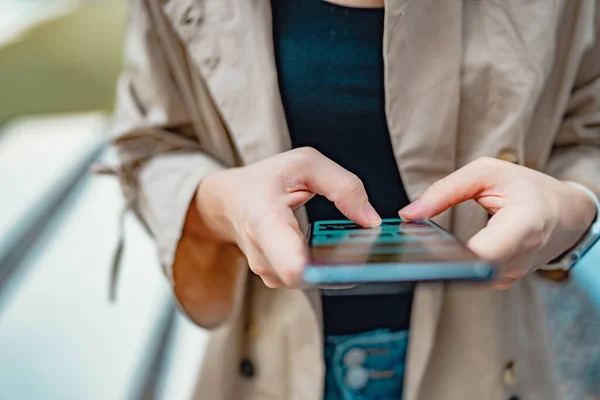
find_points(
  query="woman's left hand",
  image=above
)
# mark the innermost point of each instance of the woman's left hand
(535, 217)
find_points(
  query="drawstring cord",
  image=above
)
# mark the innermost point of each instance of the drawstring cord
(117, 256)
(163, 141)
(117, 253)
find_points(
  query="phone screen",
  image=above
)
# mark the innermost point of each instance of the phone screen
(421, 247)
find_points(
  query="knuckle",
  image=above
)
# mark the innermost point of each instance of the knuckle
(260, 269)
(506, 283)
(290, 277)
(486, 162)
(304, 155)
(254, 222)
(272, 283)
(249, 229)
(440, 186)
(516, 273)
(536, 236)
(487, 254)
(352, 184)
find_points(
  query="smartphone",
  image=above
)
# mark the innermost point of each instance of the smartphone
(342, 252)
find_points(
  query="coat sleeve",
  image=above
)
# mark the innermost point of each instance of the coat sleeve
(162, 162)
(576, 153)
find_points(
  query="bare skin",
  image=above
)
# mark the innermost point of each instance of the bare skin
(254, 206)
(535, 217)
(358, 3)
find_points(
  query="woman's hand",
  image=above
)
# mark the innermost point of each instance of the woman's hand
(253, 207)
(535, 217)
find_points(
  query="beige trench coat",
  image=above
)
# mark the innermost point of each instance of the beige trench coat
(513, 79)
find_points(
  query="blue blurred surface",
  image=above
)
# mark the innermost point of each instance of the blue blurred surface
(587, 274)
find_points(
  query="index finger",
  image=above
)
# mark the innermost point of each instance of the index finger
(327, 178)
(466, 183)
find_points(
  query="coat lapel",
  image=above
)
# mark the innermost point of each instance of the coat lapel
(422, 53)
(259, 123)
(231, 46)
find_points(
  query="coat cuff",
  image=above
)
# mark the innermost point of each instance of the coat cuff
(577, 164)
(167, 185)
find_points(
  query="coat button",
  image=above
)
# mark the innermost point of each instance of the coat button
(509, 374)
(509, 155)
(246, 368)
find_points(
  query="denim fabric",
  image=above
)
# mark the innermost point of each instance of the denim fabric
(366, 366)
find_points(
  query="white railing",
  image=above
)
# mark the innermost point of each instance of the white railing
(59, 335)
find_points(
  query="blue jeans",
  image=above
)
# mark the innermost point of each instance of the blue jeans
(366, 366)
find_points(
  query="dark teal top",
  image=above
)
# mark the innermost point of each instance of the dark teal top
(330, 68)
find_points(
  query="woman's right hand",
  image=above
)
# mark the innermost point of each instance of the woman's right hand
(254, 206)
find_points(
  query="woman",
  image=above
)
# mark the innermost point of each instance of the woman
(233, 115)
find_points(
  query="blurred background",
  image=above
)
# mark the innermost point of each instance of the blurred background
(60, 337)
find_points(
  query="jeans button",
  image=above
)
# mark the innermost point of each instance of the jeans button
(355, 357)
(357, 377)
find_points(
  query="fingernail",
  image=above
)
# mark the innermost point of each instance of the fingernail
(371, 214)
(410, 209)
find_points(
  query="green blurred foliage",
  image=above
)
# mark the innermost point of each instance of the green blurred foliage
(68, 64)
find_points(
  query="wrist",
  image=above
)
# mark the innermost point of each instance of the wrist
(586, 202)
(210, 206)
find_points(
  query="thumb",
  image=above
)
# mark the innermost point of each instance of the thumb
(464, 184)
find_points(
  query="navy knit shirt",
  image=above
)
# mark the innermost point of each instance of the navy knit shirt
(330, 68)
